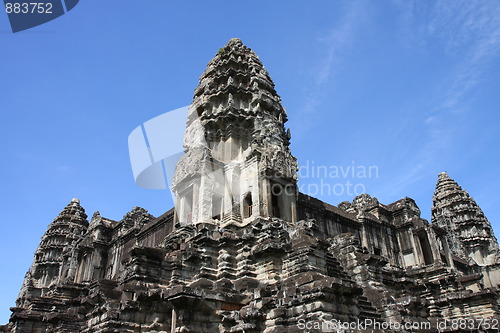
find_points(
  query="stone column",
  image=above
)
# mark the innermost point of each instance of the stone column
(447, 252)
(419, 256)
(266, 198)
(364, 235)
(196, 208)
(293, 207)
(174, 321)
(431, 237)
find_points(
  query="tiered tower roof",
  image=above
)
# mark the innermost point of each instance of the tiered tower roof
(236, 98)
(69, 226)
(458, 213)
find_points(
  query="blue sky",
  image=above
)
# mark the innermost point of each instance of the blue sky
(410, 88)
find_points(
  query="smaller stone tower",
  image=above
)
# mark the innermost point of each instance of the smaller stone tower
(70, 225)
(468, 231)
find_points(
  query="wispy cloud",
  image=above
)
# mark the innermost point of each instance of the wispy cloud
(468, 33)
(335, 42)
(64, 168)
(477, 28)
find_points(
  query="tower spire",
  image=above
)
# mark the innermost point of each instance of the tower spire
(469, 232)
(236, 145)
(69, 226)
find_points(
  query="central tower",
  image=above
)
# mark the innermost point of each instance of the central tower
(237, 164)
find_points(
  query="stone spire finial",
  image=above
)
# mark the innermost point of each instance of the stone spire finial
(445, 184)
(74, 212)
(235, 41)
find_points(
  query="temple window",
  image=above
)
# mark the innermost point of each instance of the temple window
(216, 207)
(247, 205)
(276, 191)
(426, 249)
(187, 207)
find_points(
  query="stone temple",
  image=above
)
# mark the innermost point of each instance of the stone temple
(244, 251)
